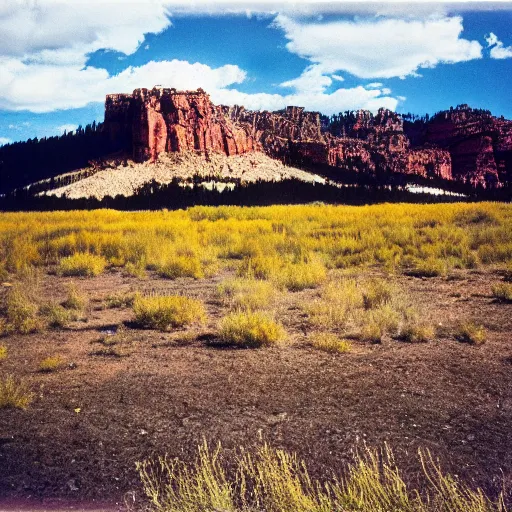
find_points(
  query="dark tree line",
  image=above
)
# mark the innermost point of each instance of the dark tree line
(22, 163)
(153, 196)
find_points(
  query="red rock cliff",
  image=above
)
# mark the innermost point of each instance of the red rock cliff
(165, 120)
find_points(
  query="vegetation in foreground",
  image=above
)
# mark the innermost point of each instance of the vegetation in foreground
(276, 481)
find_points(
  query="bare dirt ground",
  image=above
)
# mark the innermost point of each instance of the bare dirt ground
(78, 442)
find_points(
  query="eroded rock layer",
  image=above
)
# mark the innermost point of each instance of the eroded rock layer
(460, 144)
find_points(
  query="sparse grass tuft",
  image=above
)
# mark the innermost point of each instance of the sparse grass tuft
(75, 299)
(3, 352)
(250, 329)
(14, 393)
(416, 332)
(371, 332)
(502, 292)
(82, 264)
(469, 332)
(165, 312)
(119, 300)
(377, 292)
(329, 342)
(299, 276)
(428, 268)
(274, 480)
(51, 364)
(20, 313)
(181, 266)
(247, 294)
(55, 315)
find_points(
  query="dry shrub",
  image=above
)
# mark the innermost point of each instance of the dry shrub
(3, 352)
(329, 342)
(247, 294)
(502, 292)
(82, 264)
(273, 480)
(51, 364)
(250, 329)
(14, 393)
(165, 312)
(469, 332)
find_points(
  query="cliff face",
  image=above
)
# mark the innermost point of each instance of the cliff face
(165, 120)
(480, 144)
(462, 143)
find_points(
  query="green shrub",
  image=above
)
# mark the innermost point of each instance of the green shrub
(250, 329)
(502, 292)
(51, 364)
(329, 342)
(14, 393)
(82, 264)
(165, 312)
(469, 332)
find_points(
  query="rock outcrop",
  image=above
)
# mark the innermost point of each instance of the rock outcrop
(480, 144)
(464, 144)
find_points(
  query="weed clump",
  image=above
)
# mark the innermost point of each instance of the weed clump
(51, 364)
(55, 315)
(246, 294)
(14, 393)
(250, 329)
(20, 313)
(469, 332)
(299, 276)
(329, 342)
(181, 266)
(502, 292)
(274, 480)
(82, 265)
(3, 352)
(165, 312)
(416, 332)
(428, 268)
(75, 300)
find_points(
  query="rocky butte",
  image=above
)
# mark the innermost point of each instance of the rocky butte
(462, 144)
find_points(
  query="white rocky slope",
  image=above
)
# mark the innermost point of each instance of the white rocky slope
(124, 181)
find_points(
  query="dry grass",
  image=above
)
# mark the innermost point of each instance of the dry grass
(250, 329)
(51, 364)
(246, 294)
(469, 332)
(82, 264)
(14, 393)
(502, 292)
(274, 480)
(165, 312)
(3, 352)
(329, 342)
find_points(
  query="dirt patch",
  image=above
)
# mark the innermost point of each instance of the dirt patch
(92, 420)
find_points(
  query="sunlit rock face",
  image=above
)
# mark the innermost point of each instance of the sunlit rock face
(463, 143)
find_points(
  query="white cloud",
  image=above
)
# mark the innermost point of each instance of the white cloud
(338, 78)
(60, 32)
(66, 128)
(44, 88)
(498, 50)
(4, 140)
(379, 48)
(337, 101)
(373, 85)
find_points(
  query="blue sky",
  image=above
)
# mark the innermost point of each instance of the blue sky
(58, 59)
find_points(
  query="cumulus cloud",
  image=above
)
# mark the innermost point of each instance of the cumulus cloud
(498, 50)
(327, 103)
(379, 48)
